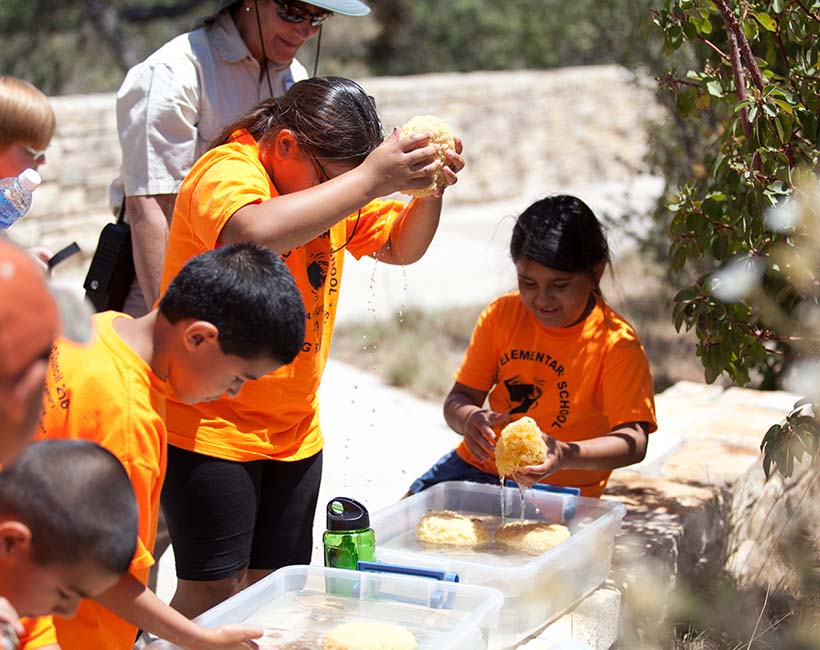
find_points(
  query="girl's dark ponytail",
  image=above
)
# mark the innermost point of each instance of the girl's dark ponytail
(332, 118)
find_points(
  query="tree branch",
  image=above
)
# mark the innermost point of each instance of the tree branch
(740, 82)
(733, 26)
(669, 81)
(719, 52)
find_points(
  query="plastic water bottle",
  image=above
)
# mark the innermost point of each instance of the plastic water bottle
(349, 537)
(15, 196)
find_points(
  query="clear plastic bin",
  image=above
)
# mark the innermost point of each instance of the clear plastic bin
(297, 605)
(536, 589)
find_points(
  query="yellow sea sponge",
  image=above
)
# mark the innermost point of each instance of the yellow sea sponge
(442, 136)
(368, 636)
(453, 528)
(533, 537)
(520, 444)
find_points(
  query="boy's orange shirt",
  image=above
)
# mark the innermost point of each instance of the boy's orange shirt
(106, 393)
(577, 382)
(38, 633)
(275, 417)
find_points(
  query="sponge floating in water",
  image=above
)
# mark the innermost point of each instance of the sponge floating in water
(365, 635)
(453, 528)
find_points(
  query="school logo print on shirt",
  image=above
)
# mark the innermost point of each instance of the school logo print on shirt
(322, 275)
(317, 271)
(523, 395)
(550, 396)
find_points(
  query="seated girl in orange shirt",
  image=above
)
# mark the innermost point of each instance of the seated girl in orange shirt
(555, 351)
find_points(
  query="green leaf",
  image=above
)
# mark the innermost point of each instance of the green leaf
(678, 259)
(750, 30)
(717, 196)
(752, 113)
(714, 88)
(679, 317)
(771, 436)
(685, 102)
(784, 105)
(720, 246)
(687, 295)
(674, 37)
(711, 373)
(746, 103)
(784, 128)
(768, 23)
(757, 353)
(712, 208)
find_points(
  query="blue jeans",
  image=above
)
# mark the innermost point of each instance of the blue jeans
(451, 467)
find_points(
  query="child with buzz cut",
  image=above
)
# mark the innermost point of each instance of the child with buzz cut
(231, 315)
(68, 530)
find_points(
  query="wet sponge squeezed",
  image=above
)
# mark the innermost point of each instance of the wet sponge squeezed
(519, 445)
(442, 136)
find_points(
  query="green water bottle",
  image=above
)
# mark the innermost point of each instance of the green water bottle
(349, 537)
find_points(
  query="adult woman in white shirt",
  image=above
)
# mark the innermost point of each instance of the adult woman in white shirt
(172, 105)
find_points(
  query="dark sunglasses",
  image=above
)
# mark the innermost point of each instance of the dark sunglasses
(294, 13)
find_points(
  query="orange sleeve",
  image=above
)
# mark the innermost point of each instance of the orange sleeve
(229, 183)
(145, 487)
(374, 226)
(39, 633)
(628, 393)
(478, 368)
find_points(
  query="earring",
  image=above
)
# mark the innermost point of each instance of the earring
(247, 9)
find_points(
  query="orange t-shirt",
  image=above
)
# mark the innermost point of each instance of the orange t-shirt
(277, 416)
(106, 393)
(577, 382)
(38, 633)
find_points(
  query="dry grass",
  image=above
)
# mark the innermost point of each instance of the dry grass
(419, 351)
(422, 350)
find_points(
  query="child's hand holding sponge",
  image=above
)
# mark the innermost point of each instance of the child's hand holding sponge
(442, 136)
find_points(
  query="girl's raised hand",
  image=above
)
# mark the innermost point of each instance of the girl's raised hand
(401, 164)
(479, 432)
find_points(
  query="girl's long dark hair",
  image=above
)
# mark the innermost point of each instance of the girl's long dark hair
(332, 118)
(560, 232)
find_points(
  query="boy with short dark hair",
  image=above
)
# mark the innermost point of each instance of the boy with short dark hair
(232, 314)
(68, 526)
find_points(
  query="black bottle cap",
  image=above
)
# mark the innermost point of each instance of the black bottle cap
(344, 513)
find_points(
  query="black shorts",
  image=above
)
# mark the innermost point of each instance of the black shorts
(225, 516)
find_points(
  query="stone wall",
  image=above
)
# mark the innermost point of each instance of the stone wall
(521, 130)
